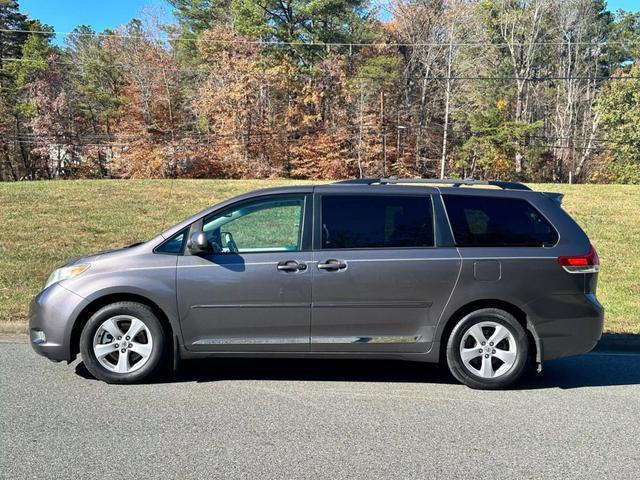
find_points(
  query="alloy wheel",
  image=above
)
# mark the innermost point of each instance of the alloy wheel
(488, 349)
(122, 344)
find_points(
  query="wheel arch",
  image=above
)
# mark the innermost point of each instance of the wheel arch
(535, 345)
(102, 301)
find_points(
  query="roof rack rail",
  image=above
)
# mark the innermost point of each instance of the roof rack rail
(441, 181)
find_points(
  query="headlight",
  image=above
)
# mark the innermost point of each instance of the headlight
(66, 272)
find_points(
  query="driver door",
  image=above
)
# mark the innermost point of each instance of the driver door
(253, 291)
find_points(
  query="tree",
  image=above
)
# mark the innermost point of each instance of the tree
(97, 77)
(18, 75)
(302, 22)
(624, 36)
(423, 24)
(514, 89)
(34, 53)
(52, 121)
(619, 108)
(232, 100)
(374, 82)
(7, 168)
(494, 141)
(13, 30)
(150, 118)
(518, 25)
(320, 130)
(579, 55)
(195, 17)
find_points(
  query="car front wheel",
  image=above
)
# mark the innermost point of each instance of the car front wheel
(122, 343)
(488, 349)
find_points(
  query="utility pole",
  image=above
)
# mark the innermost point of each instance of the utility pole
(384, 151)
(384, 135)
(400, 129)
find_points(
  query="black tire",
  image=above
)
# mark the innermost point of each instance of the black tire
(147, 317)
(464, 374)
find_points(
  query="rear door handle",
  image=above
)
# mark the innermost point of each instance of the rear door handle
(333, 264)
(291, 266)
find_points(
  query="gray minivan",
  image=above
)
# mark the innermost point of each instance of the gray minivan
(489, 280)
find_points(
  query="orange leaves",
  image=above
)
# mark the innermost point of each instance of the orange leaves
(322, 155)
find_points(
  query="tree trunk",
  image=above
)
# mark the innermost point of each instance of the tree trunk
(446, 104)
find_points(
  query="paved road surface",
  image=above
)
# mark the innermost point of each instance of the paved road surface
(260, 419)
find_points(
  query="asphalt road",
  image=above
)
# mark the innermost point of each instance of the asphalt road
(277, 419)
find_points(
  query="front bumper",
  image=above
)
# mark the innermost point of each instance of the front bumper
(568, 324)
(51, 316)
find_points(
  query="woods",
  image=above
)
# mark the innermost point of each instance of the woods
(533, 90)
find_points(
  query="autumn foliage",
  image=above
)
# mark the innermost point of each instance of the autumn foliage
(325, 90)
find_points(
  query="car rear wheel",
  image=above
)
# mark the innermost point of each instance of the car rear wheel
(487, 349)
(122, 343)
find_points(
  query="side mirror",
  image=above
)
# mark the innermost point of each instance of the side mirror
(198, 243)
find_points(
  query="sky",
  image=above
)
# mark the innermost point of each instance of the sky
(629, 5)
(65, 15)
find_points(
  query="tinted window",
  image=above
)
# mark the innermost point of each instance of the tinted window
(494, 221)
(175, 244)
(376, 221)
(265, 225)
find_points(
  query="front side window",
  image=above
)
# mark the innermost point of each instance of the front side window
(266, 225)
(376, 221)
(479, 221)
(175, 244)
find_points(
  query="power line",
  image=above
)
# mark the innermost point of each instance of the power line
(312, 43)
(294, 140)
(110, 140)
(352, 77)
(30, 136)
(577, 147)
(163, 135)
(257, 139)
(583, 139)
(218, 139)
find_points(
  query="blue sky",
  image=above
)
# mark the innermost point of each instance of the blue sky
(65, 15)
(629, 5)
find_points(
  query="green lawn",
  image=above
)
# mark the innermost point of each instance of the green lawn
(44, 224)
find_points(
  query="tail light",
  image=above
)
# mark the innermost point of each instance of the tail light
(588, 263)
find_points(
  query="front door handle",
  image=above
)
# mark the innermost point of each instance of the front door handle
(291, 266)
(333, 264)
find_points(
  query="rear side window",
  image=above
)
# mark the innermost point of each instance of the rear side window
(380, 221)
(479, 221)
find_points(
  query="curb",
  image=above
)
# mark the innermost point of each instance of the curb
(14, 338)
(618, 342)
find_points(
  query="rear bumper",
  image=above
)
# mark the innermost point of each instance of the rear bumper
(51, 316)
(567, 325)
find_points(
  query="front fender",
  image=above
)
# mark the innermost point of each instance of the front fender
(155, 285)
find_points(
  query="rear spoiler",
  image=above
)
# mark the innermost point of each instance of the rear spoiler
(555, 196)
